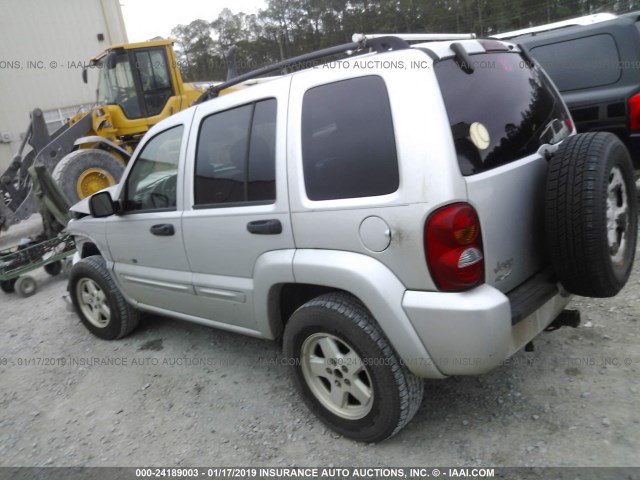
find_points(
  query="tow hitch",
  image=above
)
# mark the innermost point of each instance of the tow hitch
(567, 318)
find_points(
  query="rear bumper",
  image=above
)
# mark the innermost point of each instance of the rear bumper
(472, 332)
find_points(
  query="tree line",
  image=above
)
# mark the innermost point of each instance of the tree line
(286, 28)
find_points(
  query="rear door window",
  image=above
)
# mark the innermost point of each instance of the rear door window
(503, 111)
(235, 158)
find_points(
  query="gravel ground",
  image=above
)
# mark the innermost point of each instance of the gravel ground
(179, 394)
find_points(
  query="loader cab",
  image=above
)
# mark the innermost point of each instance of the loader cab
(136, 80)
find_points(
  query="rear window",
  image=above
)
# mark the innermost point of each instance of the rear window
(348, 144)
(581, 63)
(503, 111)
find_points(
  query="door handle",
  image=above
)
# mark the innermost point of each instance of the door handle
(163, 230)
(265, 227)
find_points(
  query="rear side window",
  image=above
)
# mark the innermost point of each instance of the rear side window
(581, 63)
(348, 144)
(235, 158)
(501, 112)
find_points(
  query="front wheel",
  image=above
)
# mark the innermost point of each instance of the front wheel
(347, 372)
(8, 286)
(98, 302)
(26, 286)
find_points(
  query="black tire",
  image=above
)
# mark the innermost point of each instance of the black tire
(68, 173)
(8, 286)
(53, 268)
(395, 393)
(26, 286)
(591, 180)
(91, 287)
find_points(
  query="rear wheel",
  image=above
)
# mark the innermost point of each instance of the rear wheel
(592, 214)
(98, 301)
(53, 268)
(85, 172)
(347, 372)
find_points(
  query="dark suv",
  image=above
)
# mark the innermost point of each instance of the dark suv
(596, 67)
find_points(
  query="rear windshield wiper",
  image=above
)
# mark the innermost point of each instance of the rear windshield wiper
(462, 58)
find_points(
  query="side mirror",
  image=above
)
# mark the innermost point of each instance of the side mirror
(84, 75)
(101, 205)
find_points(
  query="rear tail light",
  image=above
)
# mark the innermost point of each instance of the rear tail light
(569, 124)
(634, 113)
(453, 247)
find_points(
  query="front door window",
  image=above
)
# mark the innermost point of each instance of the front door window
(152, 183)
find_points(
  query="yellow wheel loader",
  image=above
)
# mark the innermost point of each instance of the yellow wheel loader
(139, 85)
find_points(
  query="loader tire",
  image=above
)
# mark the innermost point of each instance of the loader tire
(84, 172)
(592, 214)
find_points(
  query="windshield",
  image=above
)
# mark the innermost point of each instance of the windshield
(503, 111)
(116, 85)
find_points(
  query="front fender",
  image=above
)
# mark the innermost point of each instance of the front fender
(103, 141)
(89, 230)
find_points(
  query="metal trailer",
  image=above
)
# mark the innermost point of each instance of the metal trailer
(53, 254)
(50, 249)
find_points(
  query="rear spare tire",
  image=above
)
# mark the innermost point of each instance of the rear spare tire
(85, 172)
(592, 214)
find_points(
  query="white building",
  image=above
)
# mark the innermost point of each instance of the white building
(43, 45)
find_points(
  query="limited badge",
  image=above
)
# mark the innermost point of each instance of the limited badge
(479, 135)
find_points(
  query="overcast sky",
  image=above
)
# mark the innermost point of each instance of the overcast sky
(146, 19)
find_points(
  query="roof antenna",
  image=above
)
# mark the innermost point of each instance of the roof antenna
(230, 57)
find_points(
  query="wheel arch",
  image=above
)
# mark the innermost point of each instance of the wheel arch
(90, 237)
(307, 274)
(89, 249)
(122, 155)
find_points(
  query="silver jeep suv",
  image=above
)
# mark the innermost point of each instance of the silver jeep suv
(410, 211)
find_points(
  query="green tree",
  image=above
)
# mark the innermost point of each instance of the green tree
(286, 28)
(195, 49)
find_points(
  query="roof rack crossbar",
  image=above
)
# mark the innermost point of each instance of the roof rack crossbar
(380, 44)
(415, 37)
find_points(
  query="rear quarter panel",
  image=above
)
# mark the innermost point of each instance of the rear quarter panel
(429, 175)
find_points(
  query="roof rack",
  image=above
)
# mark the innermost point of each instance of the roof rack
(415, 37)
(381, 43)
